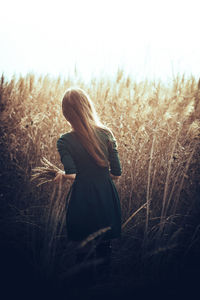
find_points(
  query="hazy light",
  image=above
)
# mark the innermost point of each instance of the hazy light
(147, 38)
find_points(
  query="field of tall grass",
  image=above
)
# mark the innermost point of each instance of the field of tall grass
(157, 129)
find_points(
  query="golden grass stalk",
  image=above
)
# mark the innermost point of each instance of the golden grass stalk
(45, 173)
(133, 215)
(148, 184)
(167, 181)
(93, 236)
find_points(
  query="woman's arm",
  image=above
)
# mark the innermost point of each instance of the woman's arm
(115, 165)
(66, 157)
(67, 161)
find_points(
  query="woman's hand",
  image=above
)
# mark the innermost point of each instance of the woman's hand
(60, 175)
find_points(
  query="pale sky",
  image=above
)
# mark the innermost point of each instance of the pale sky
(147, 38)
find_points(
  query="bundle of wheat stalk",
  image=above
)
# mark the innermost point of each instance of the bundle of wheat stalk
(45, 173)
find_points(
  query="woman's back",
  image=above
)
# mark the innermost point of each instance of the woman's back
(77, 160)
(93, 201)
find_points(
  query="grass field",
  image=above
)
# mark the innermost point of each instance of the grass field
(157, 129)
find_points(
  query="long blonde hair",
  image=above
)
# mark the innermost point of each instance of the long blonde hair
(79, 111)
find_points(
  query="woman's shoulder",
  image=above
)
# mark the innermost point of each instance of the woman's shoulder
(66, 135)
(65, 138)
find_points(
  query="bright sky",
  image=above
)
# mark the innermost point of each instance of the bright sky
(148, 38)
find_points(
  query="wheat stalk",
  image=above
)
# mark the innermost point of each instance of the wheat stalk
(45, 173)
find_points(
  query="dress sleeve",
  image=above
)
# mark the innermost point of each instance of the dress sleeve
(113, 157)
(65, 156)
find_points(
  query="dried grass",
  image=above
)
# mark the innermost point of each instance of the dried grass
(157, 128)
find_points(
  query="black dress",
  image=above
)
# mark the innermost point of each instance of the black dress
(92, 202)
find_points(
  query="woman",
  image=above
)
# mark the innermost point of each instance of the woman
(90, 158)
